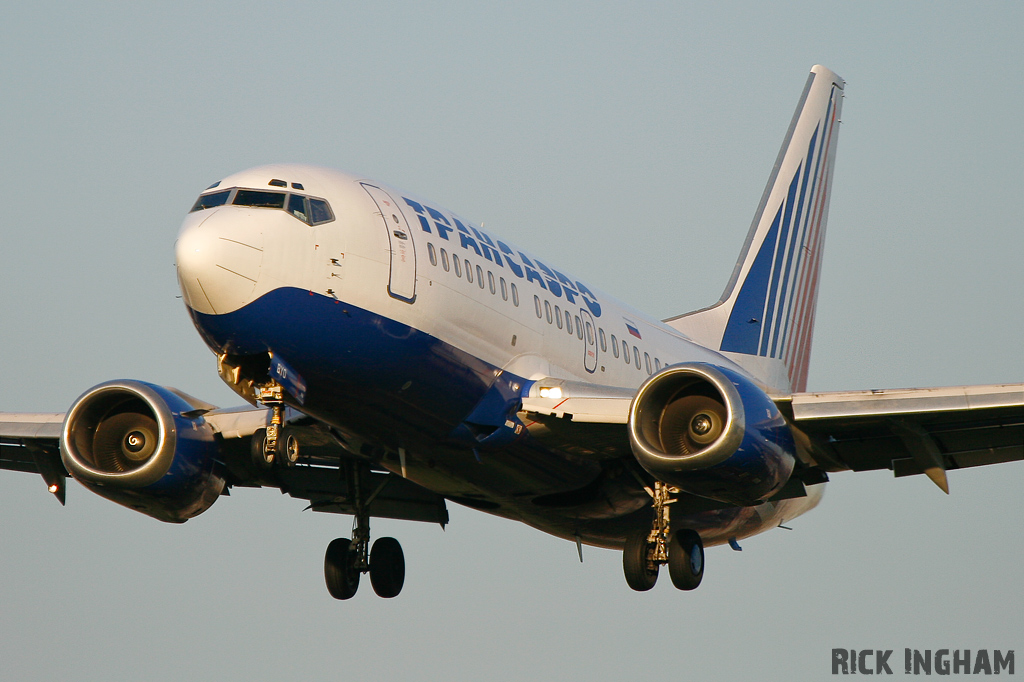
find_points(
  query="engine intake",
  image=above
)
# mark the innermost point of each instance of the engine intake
(136, 444)
(711, 432)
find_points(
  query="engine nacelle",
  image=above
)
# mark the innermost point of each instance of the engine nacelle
(710, 431)
(136, 444)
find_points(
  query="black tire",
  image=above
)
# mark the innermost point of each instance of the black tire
(261, 458)
(686, 559)
(288, 447)
(340, 573)
(640, 573)
(387, 567)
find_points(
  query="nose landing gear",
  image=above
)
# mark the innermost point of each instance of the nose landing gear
(341, 569)
(387, 567)
(645, 551)
(346, 559)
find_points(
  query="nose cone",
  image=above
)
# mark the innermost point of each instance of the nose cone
(219, 255)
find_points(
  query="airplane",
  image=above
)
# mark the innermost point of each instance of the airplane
(394, 357)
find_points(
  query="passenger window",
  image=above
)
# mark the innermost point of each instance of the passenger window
(568, 322)
(636, 356)
(579, 327)
(320, 211)
(615, 346)
(210, 200)
(657, 365)
(480, 276)
(625, 351)
(604, 341)
(469, 272)
(490, 282)
(547, 310)
(458, 266)
(515, 295)
(647, 362)
(432, 253)
(444, 260)
(258, 199)
(536, 303)
(558, 317)
(504, 295)
(297, 207)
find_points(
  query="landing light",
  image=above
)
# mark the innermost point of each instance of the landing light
(53, 488)
(554, 393)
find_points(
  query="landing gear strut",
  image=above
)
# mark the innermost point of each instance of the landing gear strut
(346, 559)
(646, 551)
(276, 443)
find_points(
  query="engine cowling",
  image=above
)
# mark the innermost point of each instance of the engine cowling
(143, 446)
(712, 432)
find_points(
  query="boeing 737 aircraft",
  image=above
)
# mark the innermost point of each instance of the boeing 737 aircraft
(395, 356)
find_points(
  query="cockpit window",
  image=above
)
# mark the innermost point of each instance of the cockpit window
(320, 211)
(297, 207)
(258, 199)
(210, 200)
(307, 209)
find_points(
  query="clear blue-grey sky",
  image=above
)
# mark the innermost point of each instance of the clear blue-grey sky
(629, 142)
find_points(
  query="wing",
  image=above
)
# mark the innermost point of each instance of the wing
(330, 473)
(585, 419)
(30, 442)
(911, 431)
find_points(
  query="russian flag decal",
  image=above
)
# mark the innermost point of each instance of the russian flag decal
(632, 328)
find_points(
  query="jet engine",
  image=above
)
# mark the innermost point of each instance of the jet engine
(143, 446)
(710, 431)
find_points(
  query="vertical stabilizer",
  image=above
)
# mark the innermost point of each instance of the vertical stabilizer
(765, 318)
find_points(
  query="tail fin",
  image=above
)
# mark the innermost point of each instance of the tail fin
(765, 318)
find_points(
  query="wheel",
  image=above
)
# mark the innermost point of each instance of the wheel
(288, 446)
(262, 457)
(686, 559)
(641, 574)
(340, 572)
(387, 567)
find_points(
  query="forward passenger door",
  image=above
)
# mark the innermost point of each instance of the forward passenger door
(402, 281)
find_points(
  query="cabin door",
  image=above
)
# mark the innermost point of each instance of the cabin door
(402, 282)
(590, 341)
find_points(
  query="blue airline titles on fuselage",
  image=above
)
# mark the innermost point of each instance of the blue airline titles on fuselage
(495, 250)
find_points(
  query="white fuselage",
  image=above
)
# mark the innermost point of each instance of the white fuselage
(407, 261)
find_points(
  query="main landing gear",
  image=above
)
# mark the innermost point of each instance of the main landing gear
(346, 559)
(645, 551)
(276, 444)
